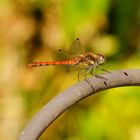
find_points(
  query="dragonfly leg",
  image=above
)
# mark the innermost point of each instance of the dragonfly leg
(88, 71)
(103, 69)
(67, 68)
(79, 73)
(93, 72)
(82, 71)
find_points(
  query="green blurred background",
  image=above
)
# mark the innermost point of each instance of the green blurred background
(33, 30)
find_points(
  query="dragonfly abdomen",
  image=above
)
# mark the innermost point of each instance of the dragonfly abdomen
(38, 64)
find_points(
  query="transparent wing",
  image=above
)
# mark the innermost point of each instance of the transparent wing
(76, 48)
(62, 55)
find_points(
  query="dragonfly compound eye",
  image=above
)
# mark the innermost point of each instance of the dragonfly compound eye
(101, 59)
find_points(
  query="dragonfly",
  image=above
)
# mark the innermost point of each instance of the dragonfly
(88, 61)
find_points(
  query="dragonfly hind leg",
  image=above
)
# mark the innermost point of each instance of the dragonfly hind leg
(88, 71)
(82, 71)
(67, 68)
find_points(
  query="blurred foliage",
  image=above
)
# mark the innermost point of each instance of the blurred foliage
(35, 30)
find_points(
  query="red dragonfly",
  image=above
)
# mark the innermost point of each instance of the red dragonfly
(89, 61)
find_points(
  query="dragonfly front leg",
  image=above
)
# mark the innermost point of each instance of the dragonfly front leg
(103, 69)
(93, 72)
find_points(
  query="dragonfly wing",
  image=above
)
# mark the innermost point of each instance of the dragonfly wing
(61, 55)
(76, 48)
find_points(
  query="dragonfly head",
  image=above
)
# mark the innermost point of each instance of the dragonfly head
(100, 59)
